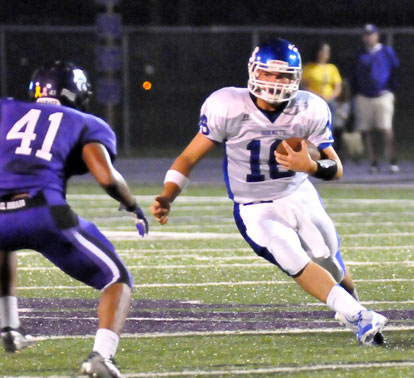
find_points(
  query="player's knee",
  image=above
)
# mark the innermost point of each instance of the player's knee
(126, 278)
(333, 267)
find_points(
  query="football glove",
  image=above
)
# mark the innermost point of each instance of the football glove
(141, 222)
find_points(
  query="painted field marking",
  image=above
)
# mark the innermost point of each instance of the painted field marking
(284, 331)
(155, 235)
(206, 284)
(368, 224)
(375, 214)
(133, 235)
(222, 266)
(166, 251)
(274, 370)
(180, 199)
(184, 198)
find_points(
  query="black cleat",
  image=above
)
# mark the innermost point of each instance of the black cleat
(378, 339)
(15, 339)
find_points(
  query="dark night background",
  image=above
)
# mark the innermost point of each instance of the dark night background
(326, 13)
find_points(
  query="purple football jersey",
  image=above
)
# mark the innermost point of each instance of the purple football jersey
(41, 145)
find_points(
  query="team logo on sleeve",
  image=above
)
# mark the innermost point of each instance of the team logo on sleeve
(203, 125)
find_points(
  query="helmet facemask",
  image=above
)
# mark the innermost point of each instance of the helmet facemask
(273, 91)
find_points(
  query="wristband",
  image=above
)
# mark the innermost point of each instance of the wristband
(327, 169)
(177, 178)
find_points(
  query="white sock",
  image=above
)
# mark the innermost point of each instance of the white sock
(341, 301)
(9, 316)
(106, 343)
(355, 294)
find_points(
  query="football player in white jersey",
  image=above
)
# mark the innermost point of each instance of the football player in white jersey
(276, 208)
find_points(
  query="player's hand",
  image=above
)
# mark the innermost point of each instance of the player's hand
(160, 209)
(141, 222)
(299, 161)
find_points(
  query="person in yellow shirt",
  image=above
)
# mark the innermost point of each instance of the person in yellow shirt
(323, 78)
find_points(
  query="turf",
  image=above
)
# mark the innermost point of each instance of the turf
(210, 307)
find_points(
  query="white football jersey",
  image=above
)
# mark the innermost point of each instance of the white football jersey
(230, 116)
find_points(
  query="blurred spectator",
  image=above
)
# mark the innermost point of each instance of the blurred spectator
(342, 114)
(321, 77)
(373, 82)
(347, 139)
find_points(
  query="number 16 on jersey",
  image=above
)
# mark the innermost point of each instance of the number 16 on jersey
(255, 148)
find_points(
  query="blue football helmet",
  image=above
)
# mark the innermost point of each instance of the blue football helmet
(277, 56)
(60, 83)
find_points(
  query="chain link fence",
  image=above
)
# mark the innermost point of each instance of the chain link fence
(184, 65)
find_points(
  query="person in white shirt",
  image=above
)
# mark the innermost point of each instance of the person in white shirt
(276, 208)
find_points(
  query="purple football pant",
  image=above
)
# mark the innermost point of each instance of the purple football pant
(73, 244)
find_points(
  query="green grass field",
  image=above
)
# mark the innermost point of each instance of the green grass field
(205, 305)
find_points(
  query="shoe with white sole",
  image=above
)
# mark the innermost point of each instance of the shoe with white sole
(342, 319)
(370, 324)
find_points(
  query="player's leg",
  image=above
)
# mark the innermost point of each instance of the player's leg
(315, 215)
(367, 324)
(114, 306)
(273, 237)
(74, 242)
(14, 337)
(113, 309)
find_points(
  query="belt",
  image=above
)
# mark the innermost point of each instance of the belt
(256, 202)
(25, 202)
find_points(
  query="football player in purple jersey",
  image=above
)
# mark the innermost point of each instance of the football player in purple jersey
(43, 143)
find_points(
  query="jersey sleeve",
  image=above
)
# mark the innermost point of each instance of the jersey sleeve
(320, 131)
(213, 118)
(98, 131)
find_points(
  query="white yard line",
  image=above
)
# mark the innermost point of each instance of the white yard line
(184, 198)
(259, 371)
(136, 252)
(181, 199)
(206, 284)
(155, 235)
(284, 331)
(263, 264)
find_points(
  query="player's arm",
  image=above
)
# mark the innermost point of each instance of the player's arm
(329, 153)
(328, 168)
(177, 176)
(98, 161)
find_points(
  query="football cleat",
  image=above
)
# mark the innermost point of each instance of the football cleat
(15, 340)
(353, 326)
(370, 324)
(98, 367)
(342, 319)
